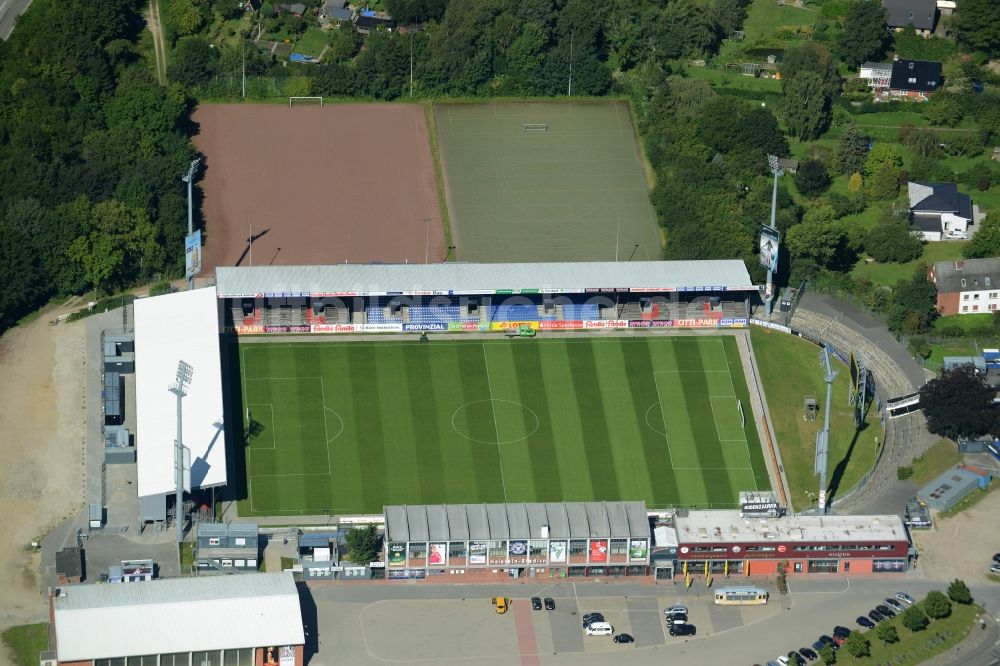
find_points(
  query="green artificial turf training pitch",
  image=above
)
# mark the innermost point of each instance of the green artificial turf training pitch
(349, 427)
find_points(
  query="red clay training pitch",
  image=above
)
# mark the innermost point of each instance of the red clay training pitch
(319, 185)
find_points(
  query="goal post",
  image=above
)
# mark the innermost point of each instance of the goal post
(313, 100)
(743, 418)
(535, 127)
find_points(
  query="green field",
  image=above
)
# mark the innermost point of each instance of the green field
(576, 192)
(349, 427)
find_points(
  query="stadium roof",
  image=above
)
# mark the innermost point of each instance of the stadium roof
(727, 526)
(177, 615)
(463, 278)
(182, 326)
(564, 520)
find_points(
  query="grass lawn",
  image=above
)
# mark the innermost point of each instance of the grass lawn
(942, 456)
(966, 322)
(766, 16)
(939, 637)
(790, 370)
(890, 274)
(731, 80)
(186, 557)
(349, 427)
(959, 347)
(311, 43)
(26, 642)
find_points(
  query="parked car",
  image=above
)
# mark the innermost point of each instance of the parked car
(783, 660)
(590, 618)
(599, 629)
(677, 619)
(536, 603)
(808, 654)
(905, 598)
(894, 605)
(996, 558)
(818, 645)
(683, 630)
(550, 604)
(885, 610)
(839, 640)
(624, 638)
(865, 622)
(676, 609)
(876, 617)
(826, 640)
(995, 568)
(841, 631)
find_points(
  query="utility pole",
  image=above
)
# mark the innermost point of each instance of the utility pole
(772, 162)
(189, 179)
(181, 454)
(569, 89)
(823, 436)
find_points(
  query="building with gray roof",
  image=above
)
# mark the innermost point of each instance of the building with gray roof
(967, 286)
(535, 539)
(949, 489)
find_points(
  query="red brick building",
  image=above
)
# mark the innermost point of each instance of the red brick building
(724, 542)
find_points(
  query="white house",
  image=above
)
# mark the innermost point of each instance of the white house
(939, 211)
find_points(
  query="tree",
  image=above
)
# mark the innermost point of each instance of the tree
(192, 62)
(892, 241)
(914, 619)
(852, 150)
(864, 36)
(883, 183)
(978, 26)
(795, 659)
(815, 58)
(828, 655)
(986, 242)
(363, 544)
(882, 153)
(855, 183)
(943, 110)
(857, 645)
(913, 304)
(821, 241)
(806, 105)
(937, 605)
(811, 178)
(186, 16)
(416, 11)
(887, 633)
(959, 403)
(958, 592)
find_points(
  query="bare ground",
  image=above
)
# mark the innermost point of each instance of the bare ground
(941, 556)
(41, 479)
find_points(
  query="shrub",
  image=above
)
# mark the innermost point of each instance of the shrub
(903, 473)
(914, 619)
(812, 178)
(958, 592)
(937, 605)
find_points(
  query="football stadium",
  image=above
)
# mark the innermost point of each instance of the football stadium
(340, 389)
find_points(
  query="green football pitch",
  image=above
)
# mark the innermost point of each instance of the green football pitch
(575, 191)
(349, 427)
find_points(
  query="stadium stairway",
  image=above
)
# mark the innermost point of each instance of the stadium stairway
(905, 437)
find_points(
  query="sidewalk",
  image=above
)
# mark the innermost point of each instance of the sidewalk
(978, 649)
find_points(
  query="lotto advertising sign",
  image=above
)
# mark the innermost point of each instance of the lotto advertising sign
(508, 325)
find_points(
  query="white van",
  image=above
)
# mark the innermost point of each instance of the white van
(599, 629)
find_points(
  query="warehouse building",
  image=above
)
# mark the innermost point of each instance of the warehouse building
(512, 540)
(728, 543)
(951, 487)
(243, 620)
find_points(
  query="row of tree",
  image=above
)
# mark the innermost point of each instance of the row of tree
(91, 150)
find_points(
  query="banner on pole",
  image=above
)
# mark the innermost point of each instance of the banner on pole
(192, 254)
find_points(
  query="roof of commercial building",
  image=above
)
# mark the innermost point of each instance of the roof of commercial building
(564, 520)
(943, 489)
(966, 275)
(463, 278)
(920, 13)
(171, 328)
(177, 615)
(244, 530)
(718, 526)
(69, 562)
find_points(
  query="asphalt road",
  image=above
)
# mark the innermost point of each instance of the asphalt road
(375, 624)
(9, 11)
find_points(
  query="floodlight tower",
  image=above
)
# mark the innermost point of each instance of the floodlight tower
(189, 179)
(772, 163)
(823, 436)
(181, 455)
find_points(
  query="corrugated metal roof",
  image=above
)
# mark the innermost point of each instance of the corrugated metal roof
(416, 518)
(479, 523)
(396, 526)
(638, 517)
(458, 522)
(537, 518)
(517, 520)
(579, 525)
(227, 529)
(597, 518)
(129, 619)
(437, 523)
(617, 519)
(573, 277)
(497, 515)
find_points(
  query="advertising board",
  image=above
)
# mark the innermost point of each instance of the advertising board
(192, 254)
(397, 554)
(598, 550)
(477, 552)
(769, 244)
(432, 326)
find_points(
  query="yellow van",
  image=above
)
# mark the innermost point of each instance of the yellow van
(501, 603)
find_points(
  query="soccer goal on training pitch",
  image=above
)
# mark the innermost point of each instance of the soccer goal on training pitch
(743, 417)
(535, 127)
(305, 100)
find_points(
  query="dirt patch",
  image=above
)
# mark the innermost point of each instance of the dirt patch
(41, 482)
(939, 556)
(319, 185)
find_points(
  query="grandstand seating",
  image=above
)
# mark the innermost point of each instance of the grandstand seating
(517, 312)
(581, 311)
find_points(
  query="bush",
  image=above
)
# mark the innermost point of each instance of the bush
(914, 619)
(937, 605)
(958, 592)
(892, 242)
(812, 179)
(903, 473)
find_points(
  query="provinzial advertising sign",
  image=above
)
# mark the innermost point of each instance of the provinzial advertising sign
(433, 326)
(397, 554)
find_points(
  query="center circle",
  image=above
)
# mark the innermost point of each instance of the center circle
(495, 421)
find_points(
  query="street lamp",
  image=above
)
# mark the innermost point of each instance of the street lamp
(180, 388)
(772, 163)
(189, 179)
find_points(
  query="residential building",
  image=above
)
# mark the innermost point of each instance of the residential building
(877, 74)
(967, 286)
(915, 80)
(921, 14)
(938, 211)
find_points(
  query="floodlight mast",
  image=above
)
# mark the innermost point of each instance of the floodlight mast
(772, 163)
(823, 436)
(179, 388)
(189, 179)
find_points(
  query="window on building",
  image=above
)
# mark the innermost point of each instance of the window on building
(537, 548)
(578, 547)
(145, 660)
(456, 549)
(975, 307)
(963, 282)
(619, 546)
(242, 657)
(175, 659)
(418, 550)
(823, 566)
(965, 297)
(965, 308)
(993, 306)
(115, 662)
(797, 567)
(207, 658)
(975, 297)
